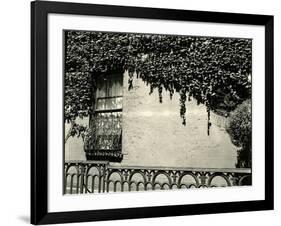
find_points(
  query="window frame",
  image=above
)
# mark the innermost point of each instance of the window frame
(119, 155)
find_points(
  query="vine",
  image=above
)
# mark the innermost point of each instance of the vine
(214, 71)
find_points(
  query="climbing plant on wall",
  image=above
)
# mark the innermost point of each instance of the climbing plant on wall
(214, 71)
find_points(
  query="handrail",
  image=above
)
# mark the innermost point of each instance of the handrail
(193, 169)
(164, 168)
(101, 176)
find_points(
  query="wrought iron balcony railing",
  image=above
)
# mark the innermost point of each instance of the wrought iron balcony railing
(104, 140)
(98, 177)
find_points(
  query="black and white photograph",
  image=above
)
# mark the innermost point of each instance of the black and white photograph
(145, 112)
(142, 112)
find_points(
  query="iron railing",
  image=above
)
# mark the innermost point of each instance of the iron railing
(104, 140)
(98, 177)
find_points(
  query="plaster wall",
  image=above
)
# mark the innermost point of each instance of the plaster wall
(153, 134)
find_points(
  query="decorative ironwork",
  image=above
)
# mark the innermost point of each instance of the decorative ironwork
(98, 177)
(104, 140)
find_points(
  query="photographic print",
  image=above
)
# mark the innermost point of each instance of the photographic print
(147, 112)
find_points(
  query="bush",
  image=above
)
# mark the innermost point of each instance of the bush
(240, 131)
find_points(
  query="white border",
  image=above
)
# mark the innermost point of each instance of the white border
(58, 202)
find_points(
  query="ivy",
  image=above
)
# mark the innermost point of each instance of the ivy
(214, 71)
(77, 95)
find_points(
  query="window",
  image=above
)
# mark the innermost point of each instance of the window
(105, 142)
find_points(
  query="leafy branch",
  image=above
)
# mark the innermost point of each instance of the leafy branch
(76, 130)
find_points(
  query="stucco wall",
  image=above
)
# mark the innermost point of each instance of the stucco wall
(73, 149)
(153, 134)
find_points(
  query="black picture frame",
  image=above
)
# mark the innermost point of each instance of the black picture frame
(39, 112)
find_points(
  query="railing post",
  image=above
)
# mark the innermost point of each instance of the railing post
(65, 178)
(234, 180)
(105, 174)
(82, 176)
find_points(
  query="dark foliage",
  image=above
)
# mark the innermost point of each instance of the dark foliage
(215, 71)
(240, 130)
